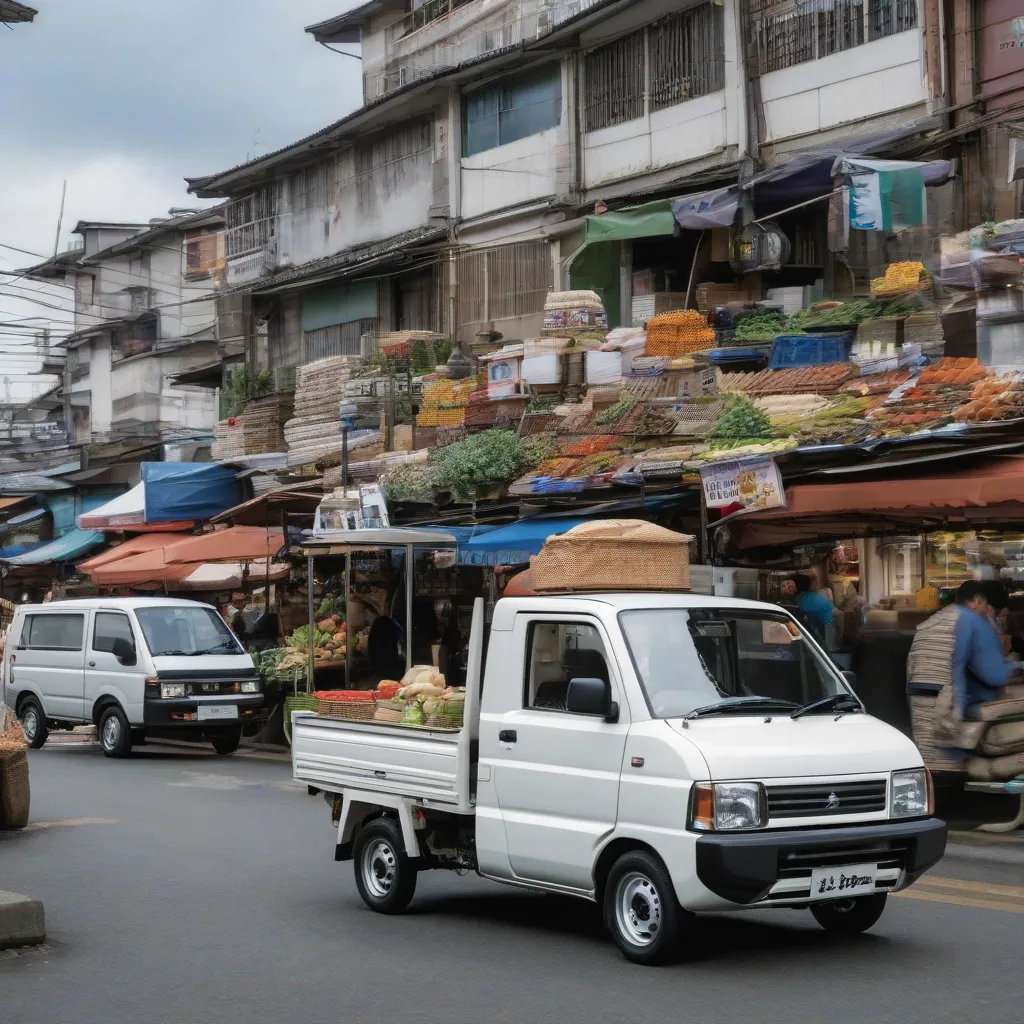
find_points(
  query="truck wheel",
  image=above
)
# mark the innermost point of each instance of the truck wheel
(641, 909)
(115, 734)
(33, 723)
(385, 876)
(850, 917)
(226, 742)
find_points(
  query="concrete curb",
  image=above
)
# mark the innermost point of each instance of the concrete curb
(22, 922)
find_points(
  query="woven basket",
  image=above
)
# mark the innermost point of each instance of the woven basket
(448, 715)
(922, 718)
(14, 789)
(297, 702)
(362, 711)
(613, 554)
(387, 711)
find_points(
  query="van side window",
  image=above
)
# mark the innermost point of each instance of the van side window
(556, 653)
(54, 632)
(111, 626)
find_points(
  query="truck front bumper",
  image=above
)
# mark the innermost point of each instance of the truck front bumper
(774, 868)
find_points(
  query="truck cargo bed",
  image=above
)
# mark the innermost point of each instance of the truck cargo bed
(422, 764)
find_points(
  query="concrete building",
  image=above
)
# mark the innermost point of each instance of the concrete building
(144, 313)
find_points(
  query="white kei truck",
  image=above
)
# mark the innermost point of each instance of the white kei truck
(661, 754)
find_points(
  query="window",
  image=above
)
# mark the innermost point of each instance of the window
(676, 59)
(512, 108)
(111, 626)
(54, 632)
(336, 340)
(503, 282)
(690, 658)
(790, 32)
(202, 255)
(186, 630)
(252, 221)
(557, 653)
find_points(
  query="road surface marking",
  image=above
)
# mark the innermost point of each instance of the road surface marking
(962, 893)
(68, 823)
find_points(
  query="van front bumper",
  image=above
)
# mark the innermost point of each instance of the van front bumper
(164, 713)
(767, 868)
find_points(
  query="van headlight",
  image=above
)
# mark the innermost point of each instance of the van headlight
(728, 806)
(168, 690)
(911, 794)
(250, 686)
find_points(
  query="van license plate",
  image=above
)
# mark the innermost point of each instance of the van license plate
(213, 711)
(840, 882)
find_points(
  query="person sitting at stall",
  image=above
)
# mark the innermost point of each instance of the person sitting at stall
(382, 650)
(815, 609)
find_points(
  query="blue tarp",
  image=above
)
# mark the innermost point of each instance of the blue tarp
(16, 549)
(68, 548)
(183, 491)
(515, 543)
(26, 517)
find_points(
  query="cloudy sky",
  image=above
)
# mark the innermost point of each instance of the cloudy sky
(126, 98)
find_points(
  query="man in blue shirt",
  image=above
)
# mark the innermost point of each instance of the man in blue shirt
(815, 609)
(979, 669)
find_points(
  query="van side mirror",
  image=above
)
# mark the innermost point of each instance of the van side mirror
(123, 650)
(591, 696)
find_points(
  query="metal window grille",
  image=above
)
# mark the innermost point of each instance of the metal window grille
(252, 221)
(687, 56)
(790, 32)
(614, 82)
(384, 163)
(337, 340)
(504, 282)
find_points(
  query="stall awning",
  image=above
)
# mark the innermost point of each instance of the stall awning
(26, 517)
(268, 508)
(134, 546)
(646, 221)
(66, 549)
(235, 543)
(515, 543)
(992, 493)
(229, 575)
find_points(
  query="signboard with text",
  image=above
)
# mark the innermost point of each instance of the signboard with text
(752, 483)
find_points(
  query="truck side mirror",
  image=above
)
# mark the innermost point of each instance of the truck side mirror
(590, 696)
(123, 650)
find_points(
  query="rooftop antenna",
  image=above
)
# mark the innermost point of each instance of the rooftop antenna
(60, 216)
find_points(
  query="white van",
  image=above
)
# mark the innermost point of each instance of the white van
(661, 754)
(132, 667)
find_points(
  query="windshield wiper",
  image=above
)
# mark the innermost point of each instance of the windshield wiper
(724, 707)
(172, 654)
(224, 647)
(835, 702)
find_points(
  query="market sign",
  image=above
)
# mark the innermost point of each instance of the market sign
(752, 483)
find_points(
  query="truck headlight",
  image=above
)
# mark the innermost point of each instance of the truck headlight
(911, 794)
(172, 690)
(728, 806)
(250, 686)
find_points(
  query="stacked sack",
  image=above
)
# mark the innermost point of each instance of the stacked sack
(679, 333)
(578, 315)
(315, 430)
(1002, 742)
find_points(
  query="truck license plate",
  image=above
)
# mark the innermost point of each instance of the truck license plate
(214, 711)
(840, 882)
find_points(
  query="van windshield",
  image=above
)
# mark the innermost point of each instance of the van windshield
(186, 631)
(695, 658)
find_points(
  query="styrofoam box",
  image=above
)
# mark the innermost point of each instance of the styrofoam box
(542, 368)
(603, 367)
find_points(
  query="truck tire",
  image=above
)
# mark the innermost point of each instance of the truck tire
(225, 743)
(33, 723)
(641, 909)
(115, 733)
(385, 876)
(850, 917)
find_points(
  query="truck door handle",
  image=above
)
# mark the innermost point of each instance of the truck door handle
(507, 736)
(92, 664)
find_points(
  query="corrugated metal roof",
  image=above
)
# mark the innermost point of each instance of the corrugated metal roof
(30, 483)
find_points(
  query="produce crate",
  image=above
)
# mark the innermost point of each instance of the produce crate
(790, 350)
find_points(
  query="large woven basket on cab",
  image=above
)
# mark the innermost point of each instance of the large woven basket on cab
(14, 789)
(613, 554)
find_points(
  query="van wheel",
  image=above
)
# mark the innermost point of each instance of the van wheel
(641, 909)
(850, 917)
(226, 742)
(385, 876)
(33, 723)
(115, 734)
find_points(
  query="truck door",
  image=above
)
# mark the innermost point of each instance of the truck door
(556, 773)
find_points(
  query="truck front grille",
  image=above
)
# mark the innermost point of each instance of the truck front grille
(825, 799)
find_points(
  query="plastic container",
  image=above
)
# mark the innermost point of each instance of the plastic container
(790, 350)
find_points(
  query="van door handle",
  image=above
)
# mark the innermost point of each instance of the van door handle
(92, 664)
(507, 736)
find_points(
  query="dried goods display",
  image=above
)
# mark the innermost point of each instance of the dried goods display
(796, 380)
(679, 333)
(899, 279)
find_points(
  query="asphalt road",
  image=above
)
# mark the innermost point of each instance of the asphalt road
(191, 889)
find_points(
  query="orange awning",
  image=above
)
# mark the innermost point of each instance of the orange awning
(133, 546)
(235, 544)
(992, 493)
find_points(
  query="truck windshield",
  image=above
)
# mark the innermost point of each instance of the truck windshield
(692, 658)
(186, 631)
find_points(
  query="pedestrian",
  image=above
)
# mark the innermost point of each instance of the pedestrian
(815, 609)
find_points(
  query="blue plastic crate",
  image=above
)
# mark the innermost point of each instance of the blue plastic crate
(810, 349)
(724, 356)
